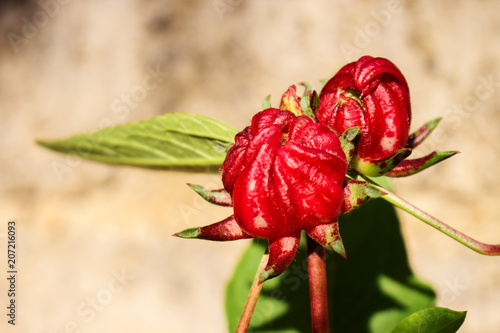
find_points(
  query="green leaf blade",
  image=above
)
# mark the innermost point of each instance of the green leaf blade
(194, 125)
(170, 140)
(432, 320)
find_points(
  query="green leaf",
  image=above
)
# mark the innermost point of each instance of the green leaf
(266, 102)
(305, 101)
(371, 291)
(432, 320)
(170, 140)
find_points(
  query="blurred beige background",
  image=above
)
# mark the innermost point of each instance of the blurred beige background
(95, 250)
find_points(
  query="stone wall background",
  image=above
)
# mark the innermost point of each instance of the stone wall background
(95, 251)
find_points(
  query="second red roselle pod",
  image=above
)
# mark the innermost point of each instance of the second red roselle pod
(373, 94)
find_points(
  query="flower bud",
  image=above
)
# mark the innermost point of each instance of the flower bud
(373, 94)
(284, 174)
(291, 102)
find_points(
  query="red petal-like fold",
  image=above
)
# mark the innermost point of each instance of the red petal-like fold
(271, 117)
(253, 200)
(315, 197)
(232, 164)
(369, 69)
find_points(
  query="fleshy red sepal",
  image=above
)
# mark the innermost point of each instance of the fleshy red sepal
(225, 230)
(217, 197)
(281, 254)
(413, 166)
(354, 194)
(328, 236)
(422, 133)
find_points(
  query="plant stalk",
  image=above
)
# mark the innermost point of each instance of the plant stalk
(253, 296)
(316, 263)
(471, 243)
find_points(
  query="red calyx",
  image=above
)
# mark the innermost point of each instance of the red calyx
(373, 94)
(285, 175)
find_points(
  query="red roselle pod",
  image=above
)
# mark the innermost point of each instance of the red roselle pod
(373, 94)
(284, 174)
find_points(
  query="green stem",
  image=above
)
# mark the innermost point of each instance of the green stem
(253, 296)
(471, 243)
(316, 263)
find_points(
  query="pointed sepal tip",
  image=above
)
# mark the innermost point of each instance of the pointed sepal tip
(266, 275)
(338, 246)
(188, 233)
(413, 166)
(217, 197)
(422, 133)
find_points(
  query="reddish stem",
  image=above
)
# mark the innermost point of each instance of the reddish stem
(252, 297)
(471, 243)
(316, 263)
